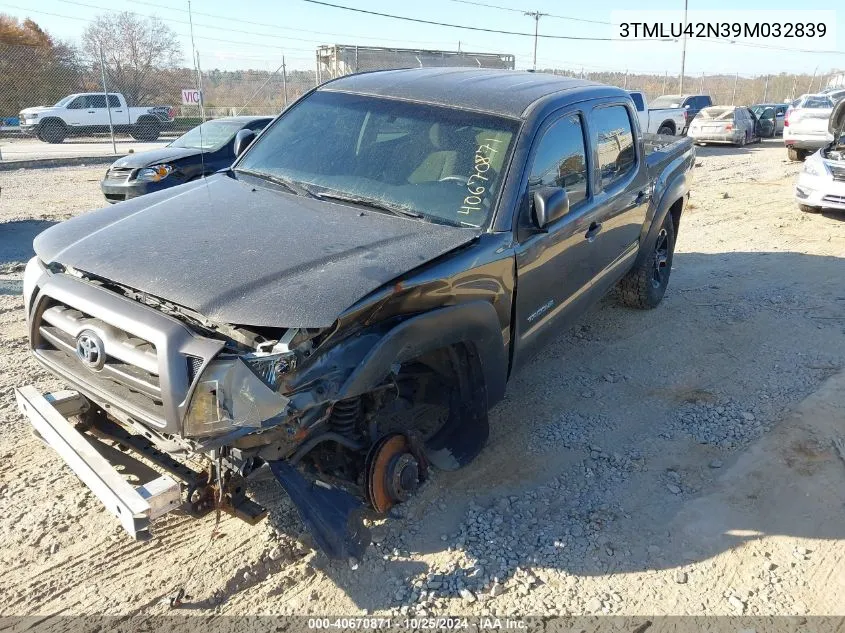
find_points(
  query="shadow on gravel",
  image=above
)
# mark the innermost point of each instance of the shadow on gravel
(16, 239)
(724, 149)
(639, 440)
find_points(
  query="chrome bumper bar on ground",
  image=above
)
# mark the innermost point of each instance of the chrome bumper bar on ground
(94, 461)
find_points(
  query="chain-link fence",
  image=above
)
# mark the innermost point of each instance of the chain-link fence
(181, 97)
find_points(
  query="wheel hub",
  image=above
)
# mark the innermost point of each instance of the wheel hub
(393, 471)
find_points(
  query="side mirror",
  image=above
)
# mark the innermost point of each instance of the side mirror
(686, 107)
(550, 204)
(242, 140)
(779, 115)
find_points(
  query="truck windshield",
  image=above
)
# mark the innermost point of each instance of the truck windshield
(210, 136)
(64, 102)
(441, 164)
(671, 101)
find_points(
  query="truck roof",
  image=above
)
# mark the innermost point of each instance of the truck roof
(505, 92)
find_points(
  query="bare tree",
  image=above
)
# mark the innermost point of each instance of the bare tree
(139, 53)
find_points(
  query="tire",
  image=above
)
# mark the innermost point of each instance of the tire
(643, 287)
(806, 208)
(52, 131)
(795, 154)
(741, 142)
(666, 129)
(146, 129)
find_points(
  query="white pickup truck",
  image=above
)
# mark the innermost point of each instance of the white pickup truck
(88, 113)
(668, 121)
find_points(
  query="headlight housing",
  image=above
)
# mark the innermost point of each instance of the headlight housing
(154, 173)
(271, 368)
(814, 166)
(231, 394)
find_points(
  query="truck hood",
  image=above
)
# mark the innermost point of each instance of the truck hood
(156, 156)
(243, 253)
(37, 109)
(836, 124)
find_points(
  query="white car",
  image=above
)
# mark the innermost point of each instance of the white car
(805, 126)
(821, 184)
(89, 112)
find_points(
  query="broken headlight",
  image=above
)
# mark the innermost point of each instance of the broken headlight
(271, 367)
(229, 395)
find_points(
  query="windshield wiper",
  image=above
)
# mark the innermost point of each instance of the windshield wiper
(367, 202)
(291, 185)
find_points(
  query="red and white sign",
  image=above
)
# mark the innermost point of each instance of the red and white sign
(191, 96)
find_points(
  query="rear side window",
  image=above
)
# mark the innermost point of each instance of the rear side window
(615, 142)
(638, 101)
(114, 102)
(96, 101)
(561, 159)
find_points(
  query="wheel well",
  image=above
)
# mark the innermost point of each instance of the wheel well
(670, 124)
(52, 119)
(675, 211)
(146, 118)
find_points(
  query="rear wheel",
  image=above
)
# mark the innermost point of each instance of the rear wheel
(146, 129)
(741, 141)
(795, 154)
(52, 131)
(666, 129)
(644, 286)
(806, 208)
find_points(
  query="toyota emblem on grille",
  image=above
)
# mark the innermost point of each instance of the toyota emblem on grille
(90, 350)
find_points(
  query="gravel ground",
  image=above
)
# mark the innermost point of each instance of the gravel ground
(676, 461)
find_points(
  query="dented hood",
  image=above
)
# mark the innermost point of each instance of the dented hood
(239, 252)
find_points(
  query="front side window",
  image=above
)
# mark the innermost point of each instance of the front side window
(114, 102)
(561, 159)
(615, 142)
(77, 104)
(442, 164)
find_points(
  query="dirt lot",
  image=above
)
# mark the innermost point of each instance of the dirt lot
(678, 461)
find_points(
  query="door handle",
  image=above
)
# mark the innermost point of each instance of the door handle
(642, 197)
(591, 233)
(92, 112)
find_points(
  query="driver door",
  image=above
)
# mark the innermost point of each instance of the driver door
(77, 111)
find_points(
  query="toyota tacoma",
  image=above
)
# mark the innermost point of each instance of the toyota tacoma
(347, 301)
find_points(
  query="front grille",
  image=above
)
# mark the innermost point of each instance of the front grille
(120, 174)
(834, 199)
(130, 371)
(149, 359)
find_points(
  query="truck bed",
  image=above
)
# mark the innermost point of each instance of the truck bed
(663, 152)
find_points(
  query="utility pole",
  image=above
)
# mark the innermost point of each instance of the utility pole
(459, 46)
(766, 89)
(536, 15)
(665, 75)
(626, 79)
(733, 97)
(683, 49)
(812, 79)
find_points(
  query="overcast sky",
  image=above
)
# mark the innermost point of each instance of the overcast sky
(256, 33)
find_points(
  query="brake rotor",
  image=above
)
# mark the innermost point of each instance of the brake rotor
(393, 471)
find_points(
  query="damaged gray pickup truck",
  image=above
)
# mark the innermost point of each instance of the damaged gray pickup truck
(347, 301)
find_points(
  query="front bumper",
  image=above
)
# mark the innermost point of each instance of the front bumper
(820, 191)
(28, 129)
(120, 190)
(134, 506)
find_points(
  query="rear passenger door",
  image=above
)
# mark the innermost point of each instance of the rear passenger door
(622, 190)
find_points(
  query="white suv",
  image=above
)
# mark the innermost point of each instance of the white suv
(805, 126)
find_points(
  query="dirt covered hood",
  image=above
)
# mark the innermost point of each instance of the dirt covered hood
(239, 252)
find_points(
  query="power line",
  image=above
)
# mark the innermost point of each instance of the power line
(551, 15)
(474, 28)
